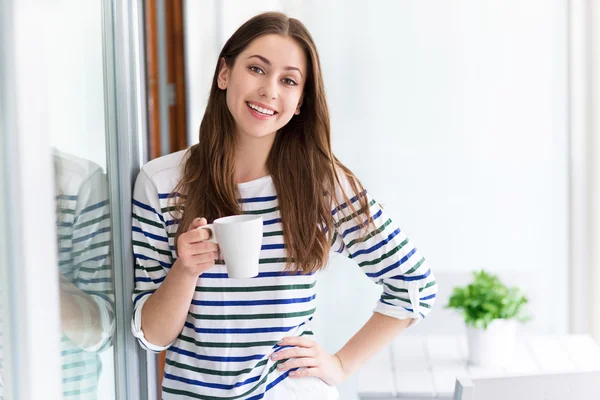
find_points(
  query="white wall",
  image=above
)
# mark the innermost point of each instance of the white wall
(454, 115)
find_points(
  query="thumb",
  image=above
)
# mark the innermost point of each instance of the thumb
(198, 222)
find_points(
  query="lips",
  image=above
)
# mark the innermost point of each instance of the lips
(260, 112)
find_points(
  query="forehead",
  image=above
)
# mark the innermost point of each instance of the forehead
(281, 51)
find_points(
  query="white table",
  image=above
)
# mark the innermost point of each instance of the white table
(420, 367)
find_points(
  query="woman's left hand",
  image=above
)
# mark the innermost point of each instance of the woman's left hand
(311, 358)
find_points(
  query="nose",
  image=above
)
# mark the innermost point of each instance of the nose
(269, 89)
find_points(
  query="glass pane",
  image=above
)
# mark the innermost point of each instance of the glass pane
(78, 135)
(3, 266)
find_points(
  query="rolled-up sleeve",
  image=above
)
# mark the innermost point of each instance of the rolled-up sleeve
(153, 258)
(385, 255)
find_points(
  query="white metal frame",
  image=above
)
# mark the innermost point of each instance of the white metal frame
(584, 129)
(126, 143)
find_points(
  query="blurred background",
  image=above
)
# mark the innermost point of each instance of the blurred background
(475, 123)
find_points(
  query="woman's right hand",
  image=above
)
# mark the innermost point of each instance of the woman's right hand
(195, 254)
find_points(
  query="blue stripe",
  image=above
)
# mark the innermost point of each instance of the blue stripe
(391, 267)
(357, 227)
(166, 195)
(172, 222)
(157, 281)
(150, 235)
(272, 221)
(431, 296)
(378, 245)
(275, 274)
(66, 197)
(139, 296)
(91, 235)
(143, 257)
(148, 208)
(211, 385)
(217, 359)
(252, 302)
(257, 199)
(272, 246)
(412, 278)
(344, 205)
(272, 384)
(94, 207)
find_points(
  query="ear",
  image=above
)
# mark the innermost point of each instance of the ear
(223, 76)
(297, 112)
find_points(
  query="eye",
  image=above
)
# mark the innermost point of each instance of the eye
(289, 81)
(256, 69)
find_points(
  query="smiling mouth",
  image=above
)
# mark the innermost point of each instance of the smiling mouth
(260, 110)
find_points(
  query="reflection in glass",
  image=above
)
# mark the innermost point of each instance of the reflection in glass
(85, 273)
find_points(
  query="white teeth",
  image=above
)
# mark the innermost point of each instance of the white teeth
(261, 110)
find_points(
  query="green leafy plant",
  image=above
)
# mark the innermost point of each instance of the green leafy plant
(487, 299)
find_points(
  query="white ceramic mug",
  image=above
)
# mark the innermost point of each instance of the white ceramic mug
(240, 239)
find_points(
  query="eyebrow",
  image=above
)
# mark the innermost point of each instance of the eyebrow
(263, 59)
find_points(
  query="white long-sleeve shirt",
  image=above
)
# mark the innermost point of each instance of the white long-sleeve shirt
(233, 325)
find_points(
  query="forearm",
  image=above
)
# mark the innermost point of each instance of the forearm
(165, 311)
(374, 335)
(80, 317)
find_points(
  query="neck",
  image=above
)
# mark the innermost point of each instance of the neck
(251, 156)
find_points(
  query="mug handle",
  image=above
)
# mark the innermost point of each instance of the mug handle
(213, 238)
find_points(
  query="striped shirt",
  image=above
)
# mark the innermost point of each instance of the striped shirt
(233, 325)
(83, 233)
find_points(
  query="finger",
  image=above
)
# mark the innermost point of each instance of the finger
(314, 371)
(298, 363)
(297, 352)
(203, 247)
(296, 341)
(206, 258)
(198, 235)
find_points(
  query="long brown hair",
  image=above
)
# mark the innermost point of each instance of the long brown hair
(303, 168)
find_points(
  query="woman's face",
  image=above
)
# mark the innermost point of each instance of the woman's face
(265, 85)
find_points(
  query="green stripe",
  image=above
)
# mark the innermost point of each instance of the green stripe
(97, 269)
(146, 245)
(215, 372)
(387, 255)
(148, 269)
(274, 233)
(92, 221)
(354, 215)
(170, 208)
(255, 288)
(370, 235)
(258, 212)
(65, 211)
(91, 247)
(74, 365)
(148, 222)
(395, 289)
(80, 392)
(221, 317)
(227, 345)
(386, 296)
(416, 267)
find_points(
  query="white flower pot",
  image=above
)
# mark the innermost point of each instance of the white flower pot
(493, 347)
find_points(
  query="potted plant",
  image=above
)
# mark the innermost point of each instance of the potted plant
(491, 311)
